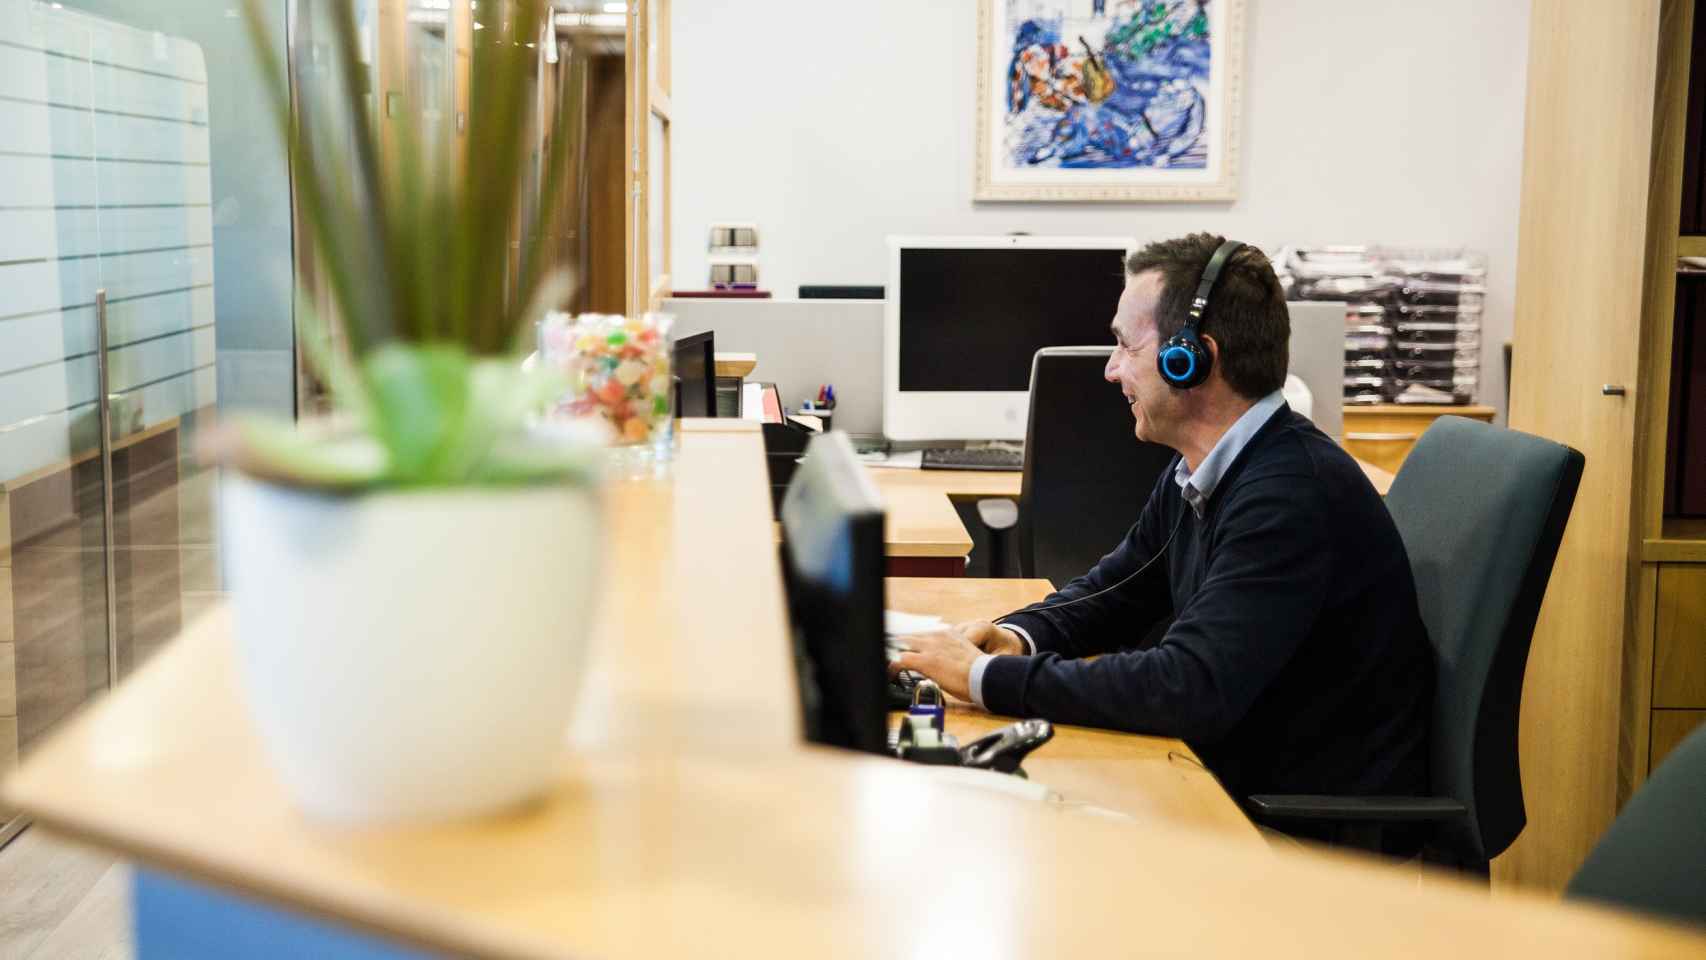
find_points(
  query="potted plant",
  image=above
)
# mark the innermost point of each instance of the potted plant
(412, 588)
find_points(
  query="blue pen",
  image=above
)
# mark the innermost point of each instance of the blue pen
(829, 394)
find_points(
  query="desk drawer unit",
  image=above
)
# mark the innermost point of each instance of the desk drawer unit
(1383, 434)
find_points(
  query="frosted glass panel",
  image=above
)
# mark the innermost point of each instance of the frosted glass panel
(106, 164)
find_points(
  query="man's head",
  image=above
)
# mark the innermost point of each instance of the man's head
(1245, 329)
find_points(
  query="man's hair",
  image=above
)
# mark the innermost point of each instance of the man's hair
(1246, 312)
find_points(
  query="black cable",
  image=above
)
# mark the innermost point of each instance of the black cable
(1183, 507)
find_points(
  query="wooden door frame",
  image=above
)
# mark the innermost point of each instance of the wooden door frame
(647, 95)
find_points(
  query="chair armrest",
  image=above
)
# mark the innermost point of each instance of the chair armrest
(1274, 806)
(998, 514)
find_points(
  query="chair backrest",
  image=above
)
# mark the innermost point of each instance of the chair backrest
(1654, 856)
(1086, 476)
(1481, 510)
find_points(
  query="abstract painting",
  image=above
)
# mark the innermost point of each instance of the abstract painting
(1108, 100)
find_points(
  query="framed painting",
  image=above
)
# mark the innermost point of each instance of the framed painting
(1108, 100)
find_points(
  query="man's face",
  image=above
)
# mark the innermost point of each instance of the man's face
(1154, 406)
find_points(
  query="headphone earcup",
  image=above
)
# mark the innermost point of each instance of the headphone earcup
(1182, 361)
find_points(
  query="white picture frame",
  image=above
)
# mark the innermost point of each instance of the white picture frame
(1103, 101)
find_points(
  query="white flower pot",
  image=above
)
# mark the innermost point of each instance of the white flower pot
(412, 655)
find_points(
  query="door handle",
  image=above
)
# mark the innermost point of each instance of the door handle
(1613, 390)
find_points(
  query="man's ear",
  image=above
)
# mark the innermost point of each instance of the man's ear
(1212, 346)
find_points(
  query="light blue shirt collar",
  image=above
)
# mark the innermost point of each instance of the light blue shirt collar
(1198, 486)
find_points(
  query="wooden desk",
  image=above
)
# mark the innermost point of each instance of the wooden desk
(690, 820)
(925, 536)
(1144, 777)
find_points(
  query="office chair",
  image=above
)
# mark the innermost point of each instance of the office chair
(1481, 510)
(1654, 856)
(1086, 477)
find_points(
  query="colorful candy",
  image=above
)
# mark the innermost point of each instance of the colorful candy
(618, 369)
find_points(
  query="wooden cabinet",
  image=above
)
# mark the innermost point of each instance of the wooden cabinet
(1382, 434)
(1615, 673)
(1677, 700)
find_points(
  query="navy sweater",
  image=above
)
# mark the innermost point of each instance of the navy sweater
(1297, 661)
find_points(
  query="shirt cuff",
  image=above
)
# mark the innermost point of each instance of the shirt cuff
(977, 667)
(1030, 645)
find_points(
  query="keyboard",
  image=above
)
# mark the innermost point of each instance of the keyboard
(900, 689)
(979, 458)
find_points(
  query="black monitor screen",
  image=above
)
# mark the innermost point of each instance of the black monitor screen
(972, 319)
(833, 565)
(695, 371)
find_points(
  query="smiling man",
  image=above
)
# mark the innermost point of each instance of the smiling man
(1297, 661)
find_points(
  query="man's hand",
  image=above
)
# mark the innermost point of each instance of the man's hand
(946, 656)
(990, 638)
(943, 656)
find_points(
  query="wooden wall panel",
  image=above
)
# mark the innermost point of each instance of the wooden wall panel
(8, 653)
(8, 754)
(1581, 253)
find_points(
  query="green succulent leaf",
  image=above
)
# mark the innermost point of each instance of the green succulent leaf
(275, 450)
(420, 398)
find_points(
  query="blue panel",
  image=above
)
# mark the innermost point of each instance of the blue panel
(179, 920)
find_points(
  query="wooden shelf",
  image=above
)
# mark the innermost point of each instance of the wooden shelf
(1683, 541)
(735, 364)
(1691, 246)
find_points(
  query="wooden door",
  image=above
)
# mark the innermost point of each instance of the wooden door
(1582, 250)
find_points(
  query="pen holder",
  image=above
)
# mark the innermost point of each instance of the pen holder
(826, 413)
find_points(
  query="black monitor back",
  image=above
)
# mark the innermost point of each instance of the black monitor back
(1086, 476)
(833, 564)
(696, 375)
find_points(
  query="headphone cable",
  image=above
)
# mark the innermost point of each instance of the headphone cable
(1183, 507)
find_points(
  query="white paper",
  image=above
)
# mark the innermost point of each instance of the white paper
(899, 624)
(911, 460)
(752, 401)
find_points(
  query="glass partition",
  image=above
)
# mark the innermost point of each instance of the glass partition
(145, 284)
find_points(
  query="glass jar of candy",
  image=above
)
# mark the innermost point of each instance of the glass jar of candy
(618, 370)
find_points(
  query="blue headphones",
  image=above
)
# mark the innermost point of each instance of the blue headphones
(1182, 360)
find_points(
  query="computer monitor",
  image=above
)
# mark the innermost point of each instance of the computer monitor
(965, 315)
(833, 565)
(696, 375)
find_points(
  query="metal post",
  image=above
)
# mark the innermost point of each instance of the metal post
(106, 421)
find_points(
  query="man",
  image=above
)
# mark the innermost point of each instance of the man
(1297, 661)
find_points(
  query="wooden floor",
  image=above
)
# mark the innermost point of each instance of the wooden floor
(62, 902)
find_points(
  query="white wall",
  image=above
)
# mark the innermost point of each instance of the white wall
(831, 126)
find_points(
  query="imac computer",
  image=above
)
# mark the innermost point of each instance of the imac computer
(833, 565)
(965, 315)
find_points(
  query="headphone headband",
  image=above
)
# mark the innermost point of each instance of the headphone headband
(1210, 274)
(1182, 360)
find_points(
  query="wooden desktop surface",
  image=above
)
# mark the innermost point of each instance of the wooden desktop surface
(922, 521)
(690, 820)
(1145, 777)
